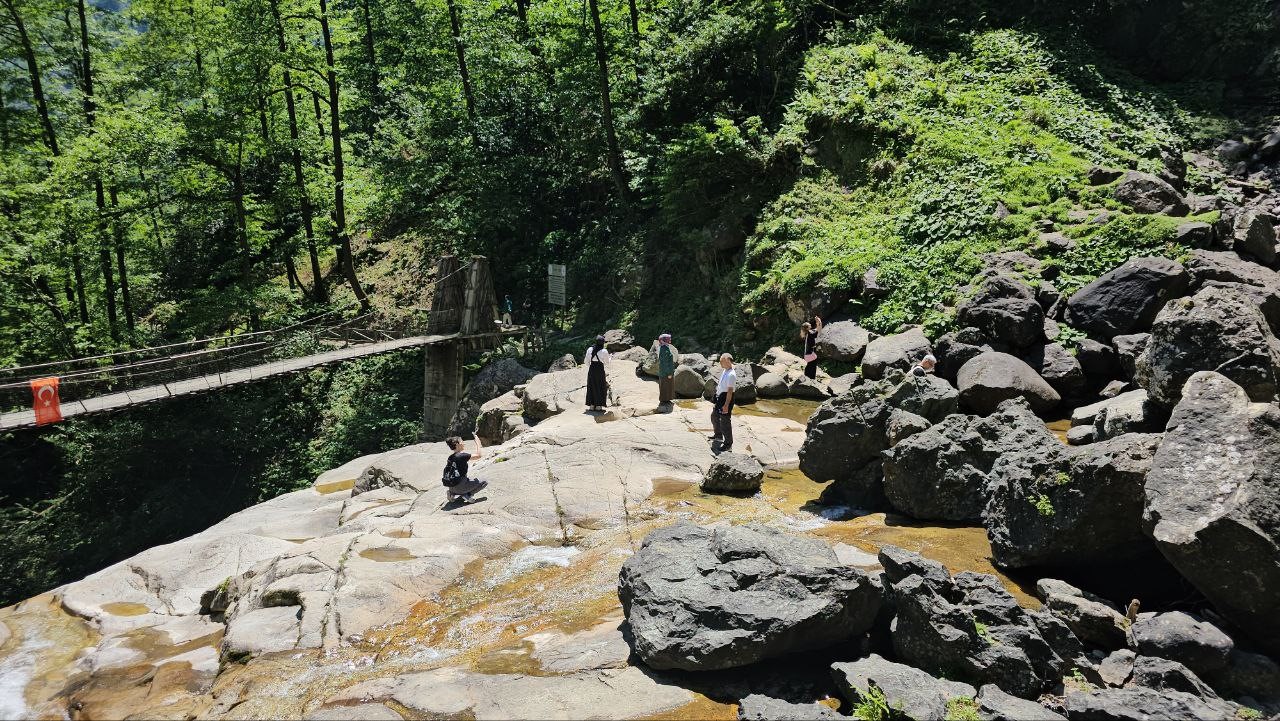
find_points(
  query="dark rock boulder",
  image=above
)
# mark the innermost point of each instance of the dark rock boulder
(908, 691)
(1058, 368)
(1069, 505)
(700, 598)
(1097, 360)
(1163, 674)
(563, 363)
(901, 350)
(845, 436)
(1266, 298)
(688, 382)
(1005, 310)
(941, 472)
(1213, 330)
(757, 707)
(1143, 704)
(1193, 235)
(843, 341)
(1145, 193)
(1129, 412)
(843, 384)
(1228, 267)
(992, 378)
(1115, 670)
(1255, 236)
(1198, 645)
(969, 628)
(1128, 349)
(617, 340)
(1096, 623)
(1248, 674)
(1099, 175)
(1126, 299)
(733, 473)
(904, 424)
(996, 705)
(1211, 502)
(956, 348)
(491, 381)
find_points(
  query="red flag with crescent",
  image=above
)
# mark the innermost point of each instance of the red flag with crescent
(44, 394)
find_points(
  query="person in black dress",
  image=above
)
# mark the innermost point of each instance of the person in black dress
(597, 386)
(809, 334)
(457, 484)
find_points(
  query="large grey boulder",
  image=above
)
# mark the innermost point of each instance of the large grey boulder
(970, 629)
(1129, 412)
(771, 385)
(1197, 644)
(1094, 622)
(843, 384)
(991, 378)
(1058, 368)
(1255, 235)
(688, 382)
(901, 350)
(1228, 267)
(491, 381)
(563, 363)
(1068, 506)
(1128, 349)
(843, 341)
(733, 473)
(1005, 310)
(1211, 502)
(909, 692)
(956, 348)
(1097, 360)
(1163, 674)
(1143, 704)
(996, 705)
(758, 707)
(1145, 193)
(617, 340)
(501, 419)
(1126, 299)
(845, 436)
(1213, 330)
(1248, 674)
(940, 473)
(701, 598)
(744, 389)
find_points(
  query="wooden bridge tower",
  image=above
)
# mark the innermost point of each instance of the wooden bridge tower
(464, 303)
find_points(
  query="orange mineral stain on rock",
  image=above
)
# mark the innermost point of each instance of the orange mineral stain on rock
(124, 608)
(335, 486)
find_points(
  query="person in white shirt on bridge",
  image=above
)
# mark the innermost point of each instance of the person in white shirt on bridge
(722, 412)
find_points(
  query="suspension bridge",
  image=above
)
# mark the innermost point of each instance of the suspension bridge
(462, 318)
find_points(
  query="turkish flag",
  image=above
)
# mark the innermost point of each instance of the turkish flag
(44, 394)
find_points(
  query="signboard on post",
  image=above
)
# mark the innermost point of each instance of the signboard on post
(556, 284)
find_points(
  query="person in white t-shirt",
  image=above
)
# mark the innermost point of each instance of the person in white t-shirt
(722, 412)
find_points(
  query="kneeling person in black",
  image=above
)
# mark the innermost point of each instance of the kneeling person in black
(456, 482)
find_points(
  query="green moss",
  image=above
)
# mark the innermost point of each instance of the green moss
(962, 708)
(903, 160)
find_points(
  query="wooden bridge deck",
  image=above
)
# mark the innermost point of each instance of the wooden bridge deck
(215, 381)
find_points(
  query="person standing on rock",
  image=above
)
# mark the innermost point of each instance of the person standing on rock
(722, 411)
(809, 334)
(666, 370)
(597, 385)
(457, 484)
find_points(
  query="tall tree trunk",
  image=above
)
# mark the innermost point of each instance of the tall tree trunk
(455, 23)
(77, 270)
(346, 259)
(242, 234)
(320, 131)
(99, 196)
(295, 157)
(117, 232)
(33, 70)
(635, 18)
(371, 57)
(4, 122)
(606, 103)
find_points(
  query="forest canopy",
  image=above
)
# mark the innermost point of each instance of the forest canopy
(187, 168)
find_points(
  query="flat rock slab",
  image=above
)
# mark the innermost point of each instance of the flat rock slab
(455, 693)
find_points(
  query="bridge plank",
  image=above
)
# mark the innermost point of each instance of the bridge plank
(146, 394)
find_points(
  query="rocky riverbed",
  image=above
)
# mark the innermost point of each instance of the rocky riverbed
(365, 596)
